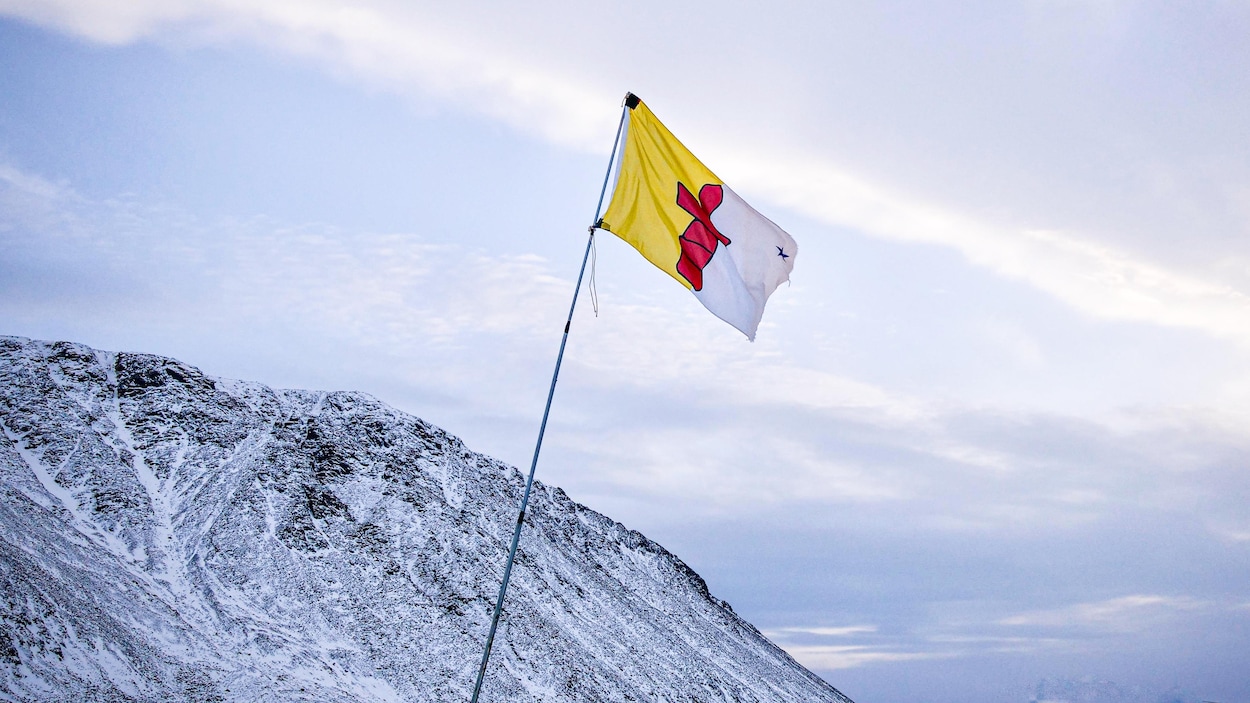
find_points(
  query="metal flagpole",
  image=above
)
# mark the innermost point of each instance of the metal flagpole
(542, 429)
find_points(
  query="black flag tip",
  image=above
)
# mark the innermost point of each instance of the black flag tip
(631, 101)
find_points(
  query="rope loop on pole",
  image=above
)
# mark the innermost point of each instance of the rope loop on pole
(591, 288)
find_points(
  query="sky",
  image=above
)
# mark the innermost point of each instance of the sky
(997, 428)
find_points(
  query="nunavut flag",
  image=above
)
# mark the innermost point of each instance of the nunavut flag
(686, 221)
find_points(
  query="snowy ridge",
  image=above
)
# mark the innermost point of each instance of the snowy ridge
(167, 536)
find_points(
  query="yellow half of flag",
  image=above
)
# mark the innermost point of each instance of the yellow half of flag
(644, 209)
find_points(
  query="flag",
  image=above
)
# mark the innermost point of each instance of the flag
(685, 220)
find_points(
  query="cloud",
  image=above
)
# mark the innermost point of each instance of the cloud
(662, 413)
(1123, 614)
(1232, 534)
(29, 188)
(1094, 278)
(799, 643)
(966, 631)
(468, 61)
(661, 404)
(395, 46)
(821, 631)
(832, 658)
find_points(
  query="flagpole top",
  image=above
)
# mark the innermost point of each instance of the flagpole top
(631, 100)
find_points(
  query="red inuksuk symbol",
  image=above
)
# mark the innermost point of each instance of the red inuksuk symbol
(698, 242)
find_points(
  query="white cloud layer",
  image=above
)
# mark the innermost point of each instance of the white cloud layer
(1091, 277)
(654, 414)
(556, 87)
(834, 657)
(822, 631)
(1123, 614)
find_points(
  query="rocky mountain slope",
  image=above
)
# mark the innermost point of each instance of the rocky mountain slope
(168, 536)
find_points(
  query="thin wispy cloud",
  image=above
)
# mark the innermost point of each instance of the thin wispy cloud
(810, 646)
(835, 658)
(1232, 534)
(1120, 614)
(780, 632)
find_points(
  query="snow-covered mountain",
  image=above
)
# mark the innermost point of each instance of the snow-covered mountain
(169, 536)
